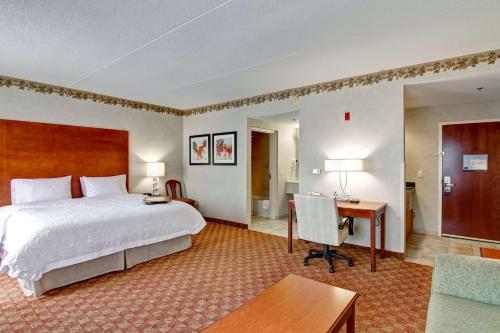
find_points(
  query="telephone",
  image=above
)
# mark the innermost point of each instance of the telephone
(345, 197)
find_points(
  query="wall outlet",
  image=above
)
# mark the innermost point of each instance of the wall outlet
(420, 174)
(316, 171)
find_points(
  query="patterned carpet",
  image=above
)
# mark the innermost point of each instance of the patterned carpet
(225, 268)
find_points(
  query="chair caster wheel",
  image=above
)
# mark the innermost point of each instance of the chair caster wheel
(350, 264)
(306, 263)
(331, 269)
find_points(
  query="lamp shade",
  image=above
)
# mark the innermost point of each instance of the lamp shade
(353, 164)
(155, 169)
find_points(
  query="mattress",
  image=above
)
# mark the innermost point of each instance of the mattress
(42, 237)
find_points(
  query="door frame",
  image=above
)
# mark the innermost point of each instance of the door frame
(273, 172)
(440, 167)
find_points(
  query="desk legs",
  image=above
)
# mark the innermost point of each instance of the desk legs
(373, 248)
(290, 220)
(373, 240)
(382, 235)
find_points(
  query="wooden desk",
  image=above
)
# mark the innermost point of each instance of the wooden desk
(294, 304)
(364, 209)
(489, 253)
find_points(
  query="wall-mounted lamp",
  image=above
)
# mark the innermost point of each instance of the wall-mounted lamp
(344, 166)
(155, 170)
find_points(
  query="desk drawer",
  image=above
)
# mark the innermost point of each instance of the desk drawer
(354, 213)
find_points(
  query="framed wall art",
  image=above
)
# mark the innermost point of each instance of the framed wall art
(224, 148)
(199, 149)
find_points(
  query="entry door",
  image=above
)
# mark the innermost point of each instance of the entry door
(471, 180)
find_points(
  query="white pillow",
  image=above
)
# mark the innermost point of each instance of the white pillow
(100, 186)
(42, 189)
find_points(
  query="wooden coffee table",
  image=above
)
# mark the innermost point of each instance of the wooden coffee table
(490, 253)
(294, 304)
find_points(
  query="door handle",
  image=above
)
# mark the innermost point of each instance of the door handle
(447, 187)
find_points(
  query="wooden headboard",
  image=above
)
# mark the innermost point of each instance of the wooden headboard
(39, 150)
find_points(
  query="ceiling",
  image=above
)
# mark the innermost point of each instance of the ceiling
(453, 91)
(188, 53)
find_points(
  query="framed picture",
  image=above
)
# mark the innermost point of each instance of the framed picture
(199, 149)
(225, 149)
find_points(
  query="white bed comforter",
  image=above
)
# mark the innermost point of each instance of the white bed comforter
(40, 237)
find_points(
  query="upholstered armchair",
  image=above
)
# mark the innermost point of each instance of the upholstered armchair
(465, 295)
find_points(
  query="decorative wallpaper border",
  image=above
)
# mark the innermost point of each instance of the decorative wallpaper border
(44, 88)
(408, 72)
(450, 64)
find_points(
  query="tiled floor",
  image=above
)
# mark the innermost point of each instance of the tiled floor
(273, 227)
(421, 249)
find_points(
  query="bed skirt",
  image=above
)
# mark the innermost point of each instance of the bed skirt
(114, 262)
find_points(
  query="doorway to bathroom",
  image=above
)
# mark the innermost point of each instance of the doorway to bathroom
(273, 171)
(262, 170)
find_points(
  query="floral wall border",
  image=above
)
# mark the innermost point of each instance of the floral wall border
(407, 72)
(44, 88)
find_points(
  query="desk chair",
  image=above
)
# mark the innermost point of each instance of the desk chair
(171, 188)
(319, 222)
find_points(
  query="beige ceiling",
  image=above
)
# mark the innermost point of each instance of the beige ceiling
(449, 92)
(185, 53)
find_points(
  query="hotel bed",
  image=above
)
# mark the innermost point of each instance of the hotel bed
(49, 244)
(46, 245)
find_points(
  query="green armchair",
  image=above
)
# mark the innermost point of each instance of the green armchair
(465, 295)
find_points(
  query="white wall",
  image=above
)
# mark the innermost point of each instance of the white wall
(222, 190)
(153, 137)
(422, 146)
(376, 132)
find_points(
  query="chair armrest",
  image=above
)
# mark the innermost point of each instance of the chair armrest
(349, 221)
(343, 222)
(468, 277)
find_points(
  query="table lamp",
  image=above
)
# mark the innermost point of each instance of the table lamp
(155, 170)
(343, 166)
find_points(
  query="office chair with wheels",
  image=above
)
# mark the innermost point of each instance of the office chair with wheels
(319, 222)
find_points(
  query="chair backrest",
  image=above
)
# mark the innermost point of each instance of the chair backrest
(171, 187)
(318, 219)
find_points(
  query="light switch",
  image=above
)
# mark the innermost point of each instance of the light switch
(316, 171)
(420, 174)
